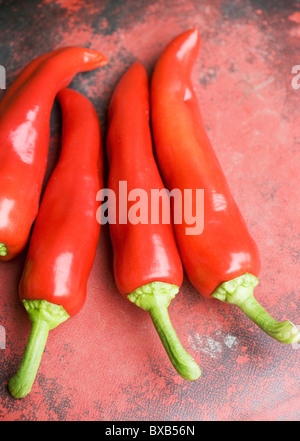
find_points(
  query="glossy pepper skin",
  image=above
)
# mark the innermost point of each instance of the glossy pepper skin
(142, 252)
(65, 234)
(147, 266)
(24, 139)
(225, 251)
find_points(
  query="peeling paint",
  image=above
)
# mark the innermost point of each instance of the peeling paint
(212, 346)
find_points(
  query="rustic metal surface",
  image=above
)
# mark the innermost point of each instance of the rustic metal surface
(107, 362)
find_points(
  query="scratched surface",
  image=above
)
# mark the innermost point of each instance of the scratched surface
(107, 362)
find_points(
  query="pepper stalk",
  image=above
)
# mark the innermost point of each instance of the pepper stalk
(3, 249)
(239, 292)
(44, 316)
(155, 298)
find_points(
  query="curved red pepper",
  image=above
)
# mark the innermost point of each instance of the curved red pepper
(23, 77)
(147, 266)
(223, 261)
(142, 252)
(24, 138)
(65, 234)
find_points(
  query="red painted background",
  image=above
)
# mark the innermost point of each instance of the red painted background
(107, 363)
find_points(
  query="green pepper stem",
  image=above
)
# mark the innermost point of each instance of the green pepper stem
(3, 249)
(44, 316)
(155, 298)
(21, 384)
(239, 292)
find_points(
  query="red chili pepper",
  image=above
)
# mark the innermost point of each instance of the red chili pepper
(65, 234)
(223, 261)
(147, 266)
(24, 138)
